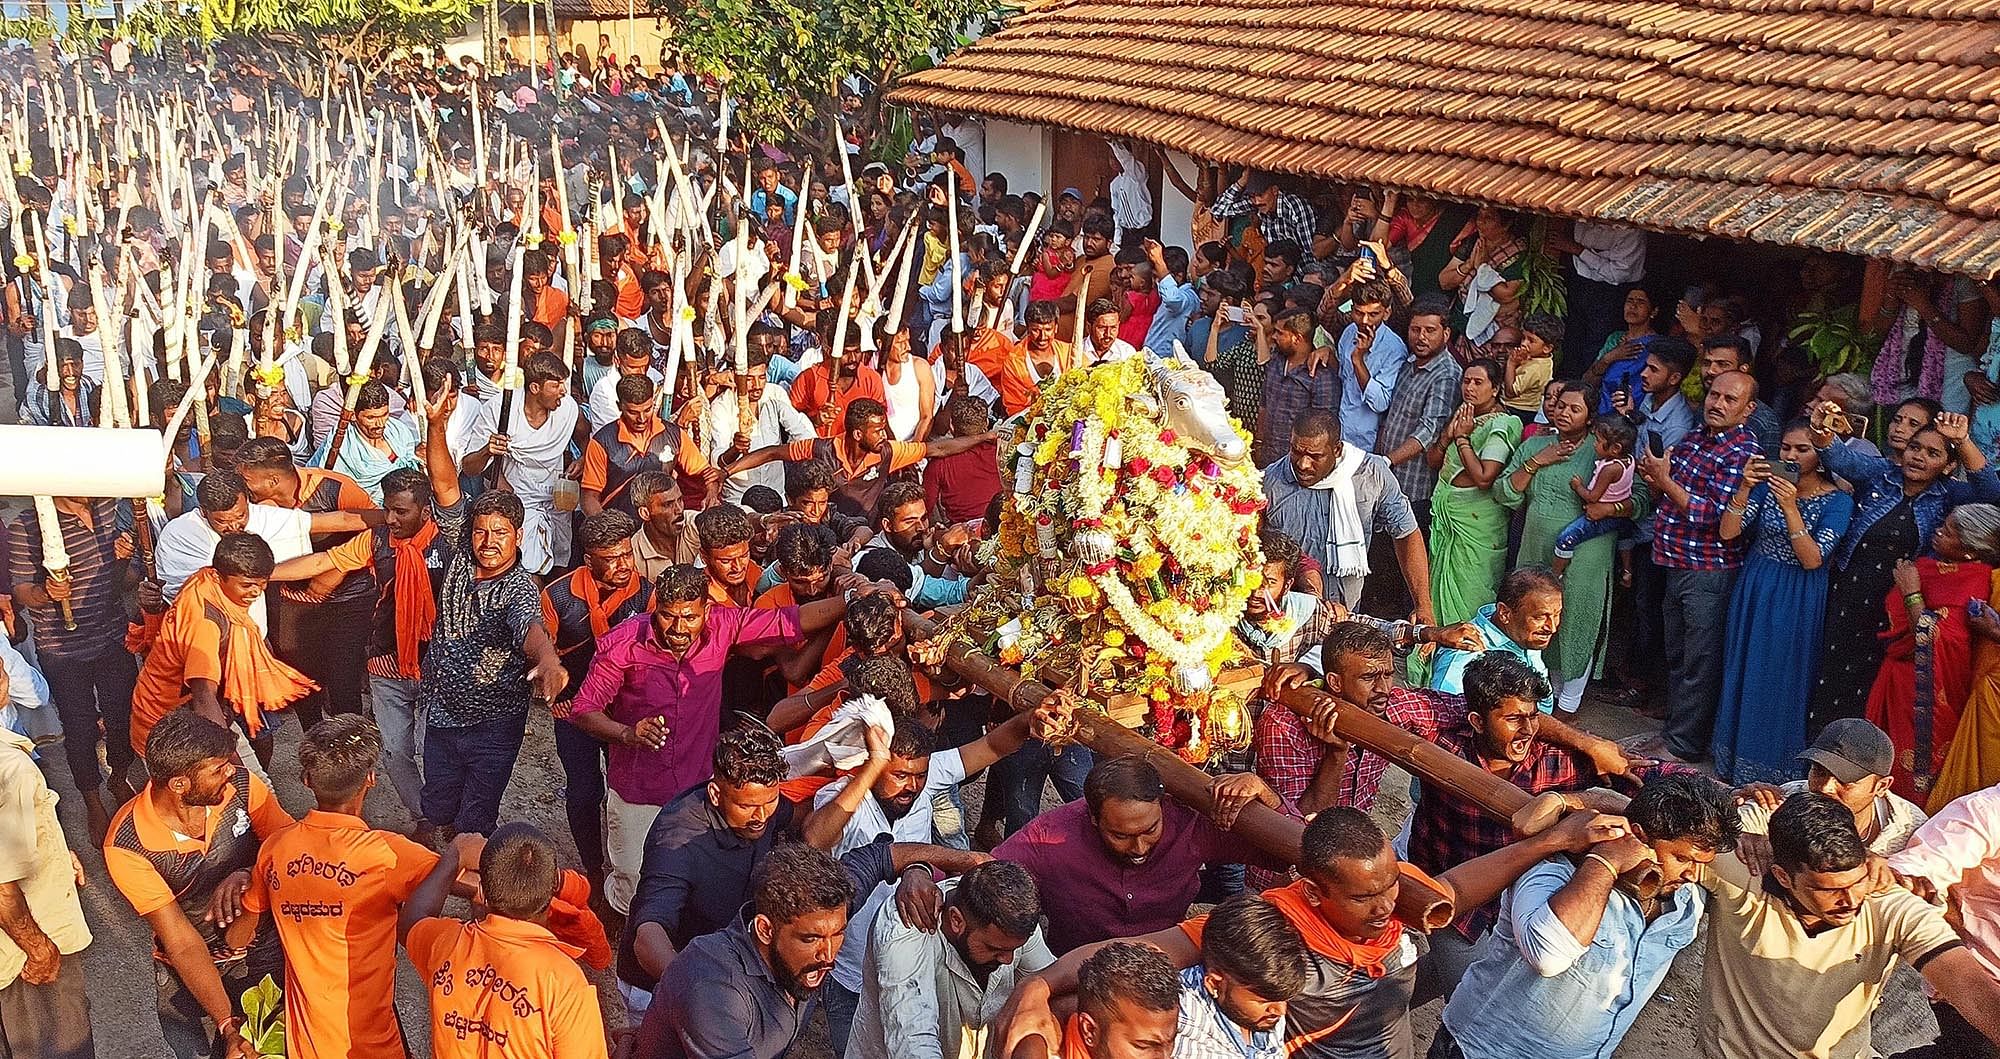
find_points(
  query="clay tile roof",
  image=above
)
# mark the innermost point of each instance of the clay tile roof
(1868, 127)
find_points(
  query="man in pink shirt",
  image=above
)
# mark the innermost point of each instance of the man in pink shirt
(1956, 855)
(653, 696)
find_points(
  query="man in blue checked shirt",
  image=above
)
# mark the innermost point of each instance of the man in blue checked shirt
(1233, 1002)
(1692, 486)
(1577, 953)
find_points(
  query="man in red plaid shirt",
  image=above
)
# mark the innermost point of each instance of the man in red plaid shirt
(1692, 486)
(1499, 726)
(1309, 766)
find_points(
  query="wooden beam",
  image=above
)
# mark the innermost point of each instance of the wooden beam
(1264, 827)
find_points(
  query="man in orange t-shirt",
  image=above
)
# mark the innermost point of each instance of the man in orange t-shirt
(1038, 357)
(333, 886)
(503, 985)
(804, 555)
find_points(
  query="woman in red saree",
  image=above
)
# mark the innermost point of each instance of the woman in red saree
(1926, 674)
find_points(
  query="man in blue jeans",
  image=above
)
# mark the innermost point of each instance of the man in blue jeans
(1692, 486)
(488, 606)
(1022, 776)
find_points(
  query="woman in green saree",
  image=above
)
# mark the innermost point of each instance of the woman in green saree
(1538, 477)
(1468, 526)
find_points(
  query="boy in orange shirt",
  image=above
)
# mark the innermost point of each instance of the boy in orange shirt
(503, 985)
(335, 885)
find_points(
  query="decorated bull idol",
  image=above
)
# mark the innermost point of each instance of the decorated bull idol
(1128, 544)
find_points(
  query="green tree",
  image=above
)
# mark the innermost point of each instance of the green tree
(782, 59)
(352, 29)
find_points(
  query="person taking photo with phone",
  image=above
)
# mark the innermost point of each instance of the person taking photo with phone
(1793, 517)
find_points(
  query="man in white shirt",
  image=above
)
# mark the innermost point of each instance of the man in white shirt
(532, 445)
(898, 804)
(187, 543)
(1609, 260)
(635, 357)
(776, 422)
(931, 989)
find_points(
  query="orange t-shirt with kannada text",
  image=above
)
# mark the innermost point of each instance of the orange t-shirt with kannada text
(505, 988)
(333, 886)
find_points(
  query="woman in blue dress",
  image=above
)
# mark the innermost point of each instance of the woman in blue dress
(1776, 613)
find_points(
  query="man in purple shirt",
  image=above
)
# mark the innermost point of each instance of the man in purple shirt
(654, 697)
(1126, 859)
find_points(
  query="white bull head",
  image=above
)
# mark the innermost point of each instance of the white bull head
(1191, 404)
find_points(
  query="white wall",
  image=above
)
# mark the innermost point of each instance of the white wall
(1022, 152)
(1176, 211)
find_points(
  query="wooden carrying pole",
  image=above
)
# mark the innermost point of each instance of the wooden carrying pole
(1266, 828)
(1528, 814)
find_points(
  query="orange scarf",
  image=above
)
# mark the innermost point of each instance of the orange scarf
(585, 587)
(416, 608)
(254, 682)
(1369, 956)
(573, 923)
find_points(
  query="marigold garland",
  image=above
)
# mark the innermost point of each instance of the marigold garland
(1124, 551)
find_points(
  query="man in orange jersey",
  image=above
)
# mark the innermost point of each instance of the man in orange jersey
(333, 886)
(181, 853)
(321, 629)
(503, 985)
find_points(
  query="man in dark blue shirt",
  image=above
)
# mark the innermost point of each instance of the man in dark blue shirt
(707, 844)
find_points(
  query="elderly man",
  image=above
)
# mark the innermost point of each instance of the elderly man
(1332, 497)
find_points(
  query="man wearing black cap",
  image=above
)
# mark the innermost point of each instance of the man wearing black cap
(1850, 762)
(1280, 215)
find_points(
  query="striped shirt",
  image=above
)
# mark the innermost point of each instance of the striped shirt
(1205, 1032)
(96, 581)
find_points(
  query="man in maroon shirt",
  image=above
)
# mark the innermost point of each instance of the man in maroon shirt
(962, 486)
(1126, 858)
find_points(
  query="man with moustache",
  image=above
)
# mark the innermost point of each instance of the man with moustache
(1693, 485)
(653, 696)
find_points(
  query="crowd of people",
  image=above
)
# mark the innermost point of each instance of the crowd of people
(499, 399)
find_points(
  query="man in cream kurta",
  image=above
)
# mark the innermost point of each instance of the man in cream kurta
(534, 464)
(932, 994)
